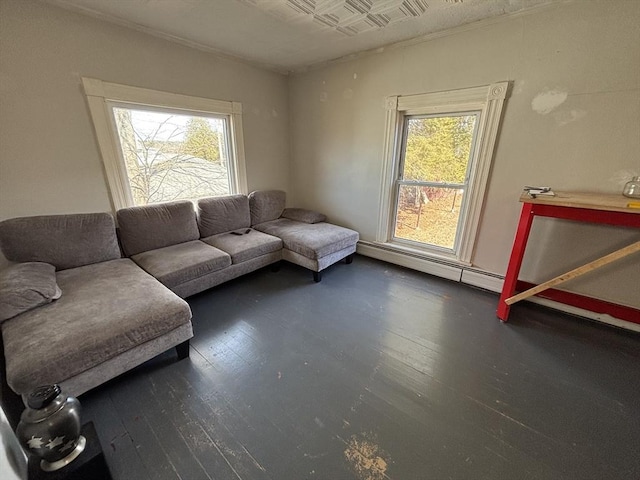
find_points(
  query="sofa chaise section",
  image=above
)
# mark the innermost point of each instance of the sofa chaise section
(111, 316)
(308, 240)
(107, 312)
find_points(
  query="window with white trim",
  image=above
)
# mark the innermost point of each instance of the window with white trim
(438, 152)
(158, 146)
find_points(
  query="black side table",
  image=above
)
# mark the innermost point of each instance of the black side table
(90, 464)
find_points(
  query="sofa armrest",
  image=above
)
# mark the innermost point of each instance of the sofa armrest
(303, 215)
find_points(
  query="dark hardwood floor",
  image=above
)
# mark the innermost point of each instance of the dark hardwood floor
(377, 372)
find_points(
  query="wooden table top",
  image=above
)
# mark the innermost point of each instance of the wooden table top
(594, 201)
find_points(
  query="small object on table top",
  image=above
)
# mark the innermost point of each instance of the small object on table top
(632, 188)
(633, 205)
(613, 202)
(535, 191)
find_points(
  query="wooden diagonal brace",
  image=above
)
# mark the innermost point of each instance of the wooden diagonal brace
(589, 267)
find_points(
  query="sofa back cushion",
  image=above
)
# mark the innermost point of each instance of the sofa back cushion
(158, 225)
(223, 214)
(266, 205)
(64, 241)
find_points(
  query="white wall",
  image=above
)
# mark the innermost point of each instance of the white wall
(49, 160)
(589, 50)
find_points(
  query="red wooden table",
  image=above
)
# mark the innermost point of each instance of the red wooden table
(583, 207)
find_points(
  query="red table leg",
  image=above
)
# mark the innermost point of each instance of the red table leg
(515, 262)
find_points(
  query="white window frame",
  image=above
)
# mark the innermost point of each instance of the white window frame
(488, 100)
(102, 96)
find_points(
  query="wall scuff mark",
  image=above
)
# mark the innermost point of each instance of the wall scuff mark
(563, 118)
(546, 102)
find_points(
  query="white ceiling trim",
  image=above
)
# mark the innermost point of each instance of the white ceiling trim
(316, 65)
(485, 22)
(165, 36)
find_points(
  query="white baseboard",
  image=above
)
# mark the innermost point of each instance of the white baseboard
(478, 278)
(481, 279)
(407, 260)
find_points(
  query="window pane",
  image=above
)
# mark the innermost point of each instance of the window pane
(437, 149)
(428, 214)
(173, 157)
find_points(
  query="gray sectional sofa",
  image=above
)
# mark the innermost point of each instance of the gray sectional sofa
(122, 290)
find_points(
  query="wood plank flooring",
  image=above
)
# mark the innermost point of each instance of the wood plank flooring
(377, 372)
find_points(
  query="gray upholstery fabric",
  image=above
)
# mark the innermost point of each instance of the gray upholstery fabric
(64, 241)
(246, 246)
(266, 205)
(320, 263)
(223, 214)
(201, 284)
(303, 215)
(125, 361)
(179, 263)
(310, 240)
(155, 226)
(100, 315)
(24, 286)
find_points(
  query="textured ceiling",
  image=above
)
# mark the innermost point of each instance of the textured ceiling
(348, 17)
(291, 35)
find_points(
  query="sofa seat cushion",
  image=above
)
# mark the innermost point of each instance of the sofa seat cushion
(180, 263)
(313, 241)
(106, 309)
(245, 246)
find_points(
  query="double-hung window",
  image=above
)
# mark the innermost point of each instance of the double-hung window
(159, 146)
(437, 160)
